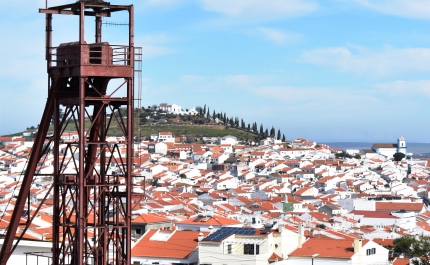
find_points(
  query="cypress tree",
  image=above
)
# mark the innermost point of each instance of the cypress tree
(272, 132)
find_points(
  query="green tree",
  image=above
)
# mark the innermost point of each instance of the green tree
(272, 132)
(199, 110)
(343, 154)
(283, 138)
(154, 183)
(412, 247)
(279, 135)
(322, 226)
(261, 129)
(143, 118)
(398, 156)
(204, 110)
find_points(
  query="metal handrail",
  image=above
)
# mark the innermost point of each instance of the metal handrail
(67, 55)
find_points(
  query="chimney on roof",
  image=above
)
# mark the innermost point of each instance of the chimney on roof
(301, 229)
(301, 237)
(200, 237)
(357, 244)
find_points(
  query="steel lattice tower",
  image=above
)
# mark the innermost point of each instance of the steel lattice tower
(92, 181)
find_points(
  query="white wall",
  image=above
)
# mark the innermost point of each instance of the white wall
(18, 256)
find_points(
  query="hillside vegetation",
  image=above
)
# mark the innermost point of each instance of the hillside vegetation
(151, 120)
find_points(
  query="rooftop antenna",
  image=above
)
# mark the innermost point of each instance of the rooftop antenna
(91, 1)
(115, 24)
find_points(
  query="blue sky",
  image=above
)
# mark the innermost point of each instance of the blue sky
(326, 70)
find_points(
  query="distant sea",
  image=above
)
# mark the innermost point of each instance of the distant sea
(417, 149)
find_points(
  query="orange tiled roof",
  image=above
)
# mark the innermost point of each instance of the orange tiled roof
(180, 244)
(215, 220)
(396, 206)
(326, 248)
(149, 218)
(401, 261)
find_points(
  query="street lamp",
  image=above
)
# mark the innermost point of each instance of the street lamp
(313, 256)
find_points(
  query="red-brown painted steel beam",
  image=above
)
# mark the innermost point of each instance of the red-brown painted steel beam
(71, 12)
(28, 179)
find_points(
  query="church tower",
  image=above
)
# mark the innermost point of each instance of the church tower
(401, 145)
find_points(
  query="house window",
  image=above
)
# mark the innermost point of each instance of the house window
(139, 231)
(248, 249)
(251, 249)
(370, 251)
(253, 220)
(229, 249)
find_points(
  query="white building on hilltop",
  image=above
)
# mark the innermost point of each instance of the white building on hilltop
(388, 149)
(176, 109)
(401, 145)
(170, 108)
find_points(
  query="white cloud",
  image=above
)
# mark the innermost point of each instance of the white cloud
(259, 10)
(154, 39)
(386, 62)
(402, 8)
(157, 5)
(277, 36)
(311, 99)
(405, 88)
(154, 45)
(162, 2)
(193, 79)
(269, 88)
(33, 4)
(226, 82)
(247, 81)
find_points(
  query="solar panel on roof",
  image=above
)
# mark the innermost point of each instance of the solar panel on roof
(266, 230)
(198, 218)
(225, 232)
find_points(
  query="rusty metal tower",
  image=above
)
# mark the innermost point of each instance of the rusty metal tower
(92, 181)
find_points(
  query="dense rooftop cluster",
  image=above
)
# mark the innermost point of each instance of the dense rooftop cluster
(225, 202)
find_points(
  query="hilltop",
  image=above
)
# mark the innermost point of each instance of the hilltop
(193, 126)
(190, 124)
